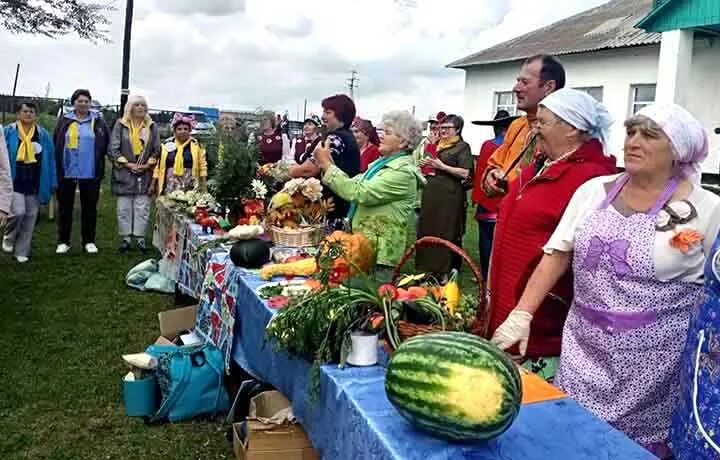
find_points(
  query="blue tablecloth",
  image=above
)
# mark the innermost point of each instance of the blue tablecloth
(353, 420)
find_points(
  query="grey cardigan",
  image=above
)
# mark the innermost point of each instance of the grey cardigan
(123, 181)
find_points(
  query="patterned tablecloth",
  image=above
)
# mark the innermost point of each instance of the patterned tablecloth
(354, 419)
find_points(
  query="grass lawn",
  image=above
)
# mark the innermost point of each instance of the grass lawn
(64, 322)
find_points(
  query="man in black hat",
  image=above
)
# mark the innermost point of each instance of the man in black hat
(486, 214)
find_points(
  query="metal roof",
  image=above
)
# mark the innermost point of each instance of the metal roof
(611, 25)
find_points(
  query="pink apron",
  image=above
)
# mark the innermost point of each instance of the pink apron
(626, 329)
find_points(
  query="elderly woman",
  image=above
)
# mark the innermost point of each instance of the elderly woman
(82, 139)
(571, 129)
(183, 163)
(637, 243)
(303, 146)
(367, 140)
(31, 155)
(338, 115)
(444, 202)
(383, 198)
(134, 150)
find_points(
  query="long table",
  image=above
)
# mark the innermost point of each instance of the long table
(353, 419)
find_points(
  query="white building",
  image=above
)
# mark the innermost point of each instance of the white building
(604, 53)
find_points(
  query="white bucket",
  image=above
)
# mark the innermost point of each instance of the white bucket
(364, 350)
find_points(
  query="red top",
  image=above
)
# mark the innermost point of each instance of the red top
(478, 194)
(527, 218)
(431, 150)
(369, 154)
(270, 147)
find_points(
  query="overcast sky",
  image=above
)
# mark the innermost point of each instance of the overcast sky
(242, 54)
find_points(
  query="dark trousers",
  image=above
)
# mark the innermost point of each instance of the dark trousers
(486, 230)
(89, 195)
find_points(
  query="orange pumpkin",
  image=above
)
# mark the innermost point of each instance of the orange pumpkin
(357, 248)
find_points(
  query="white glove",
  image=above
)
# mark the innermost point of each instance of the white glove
(516, 328)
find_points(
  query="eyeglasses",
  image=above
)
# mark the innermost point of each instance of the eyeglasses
(446, 127)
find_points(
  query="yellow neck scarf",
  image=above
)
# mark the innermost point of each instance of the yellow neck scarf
(135, 141)
(74, 134)
(26, 151)
(179, 164)
(445, 143)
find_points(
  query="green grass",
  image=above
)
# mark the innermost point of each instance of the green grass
(64, 323)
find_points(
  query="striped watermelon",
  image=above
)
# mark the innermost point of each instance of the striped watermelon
(454, 386)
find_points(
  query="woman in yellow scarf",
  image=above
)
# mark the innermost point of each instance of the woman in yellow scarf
(183, 163)
(134, 150)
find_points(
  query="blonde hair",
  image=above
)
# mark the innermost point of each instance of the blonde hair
(132, 100)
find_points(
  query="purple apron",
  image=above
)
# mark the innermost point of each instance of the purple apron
(626, 329)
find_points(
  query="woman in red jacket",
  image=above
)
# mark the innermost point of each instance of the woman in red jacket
(572, 127)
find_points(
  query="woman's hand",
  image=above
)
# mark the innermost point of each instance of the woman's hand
(322, 155)
(434, 163)
(152, 189)
(516, 328)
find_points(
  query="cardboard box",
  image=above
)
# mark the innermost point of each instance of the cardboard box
(174, 322)
(256, 440)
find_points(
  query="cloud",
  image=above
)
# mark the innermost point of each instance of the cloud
(278, 53)
(300, 27)
(207, 7)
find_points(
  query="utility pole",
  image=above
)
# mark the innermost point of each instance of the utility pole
(352, 83)
(305, 111)
(12, 101)
(125, 86)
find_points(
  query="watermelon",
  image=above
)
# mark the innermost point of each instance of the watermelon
(454, 386)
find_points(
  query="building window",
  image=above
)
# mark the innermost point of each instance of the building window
(641, 96)
(505, 100)
(594, 91)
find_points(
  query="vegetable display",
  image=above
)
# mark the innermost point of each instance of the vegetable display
(454, 386)
(358, 252)
(303, 267)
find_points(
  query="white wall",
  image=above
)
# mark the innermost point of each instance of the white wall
(615, 71)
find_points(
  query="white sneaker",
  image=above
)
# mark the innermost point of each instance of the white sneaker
(90, 248)
(22, 259)
(62, 249)
(7, 246)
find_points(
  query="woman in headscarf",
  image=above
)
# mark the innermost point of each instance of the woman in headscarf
(572, 127)
(444, 202)
(303, 146)
(82, 139)
(367, 140)
(637, 243)
(134, 150)
(31, 155)
(383, 198)
(183, 163)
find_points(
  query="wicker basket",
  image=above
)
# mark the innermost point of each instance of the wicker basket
(407, 329)
(297, 238)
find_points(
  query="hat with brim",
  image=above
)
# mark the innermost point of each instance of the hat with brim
(502, 118)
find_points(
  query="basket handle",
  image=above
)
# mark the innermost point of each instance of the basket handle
(482, 317)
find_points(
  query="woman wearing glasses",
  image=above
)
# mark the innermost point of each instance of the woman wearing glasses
(444, 204)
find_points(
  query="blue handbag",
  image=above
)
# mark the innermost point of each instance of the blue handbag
(191, 381)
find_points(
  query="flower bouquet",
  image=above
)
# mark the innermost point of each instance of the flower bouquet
(296, 215)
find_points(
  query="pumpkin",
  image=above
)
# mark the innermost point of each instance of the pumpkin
(357, 248)
(250, 253)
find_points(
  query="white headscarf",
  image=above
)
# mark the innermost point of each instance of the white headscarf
(580, 110)
(689, 140)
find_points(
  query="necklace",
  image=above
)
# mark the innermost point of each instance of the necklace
(549, 162)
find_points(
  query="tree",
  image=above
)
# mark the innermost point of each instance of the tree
(54, 18)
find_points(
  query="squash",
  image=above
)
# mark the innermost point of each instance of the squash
(304, 267)
(357, 248)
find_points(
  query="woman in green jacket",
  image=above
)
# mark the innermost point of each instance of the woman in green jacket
(383, 198)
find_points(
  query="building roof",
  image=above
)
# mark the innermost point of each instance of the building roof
(701, 15)
(608, 26)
